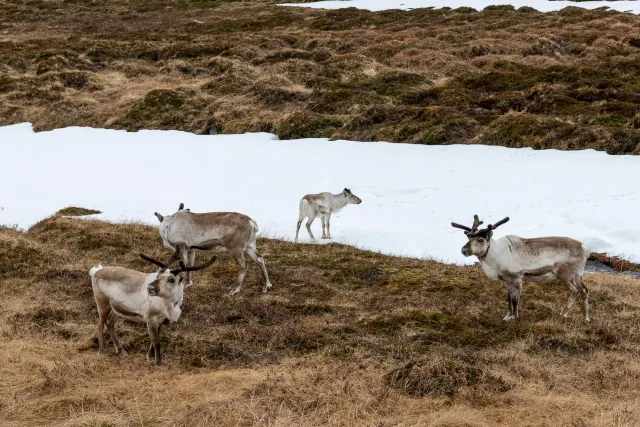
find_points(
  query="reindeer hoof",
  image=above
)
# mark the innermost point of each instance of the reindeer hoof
(267, 287)
(234, 291)
(508, 317)
(586, 319)
(122, 352)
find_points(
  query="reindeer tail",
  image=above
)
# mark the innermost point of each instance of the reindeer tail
(255, 227)
(94, 269)
(303, 209)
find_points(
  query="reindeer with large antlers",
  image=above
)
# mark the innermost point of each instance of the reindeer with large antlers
(151, 298)
(515, 260)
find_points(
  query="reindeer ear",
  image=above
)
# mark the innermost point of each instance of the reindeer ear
(181, 206)
(160, 217)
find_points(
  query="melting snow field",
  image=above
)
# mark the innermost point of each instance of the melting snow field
(410, 193)
(540, 5)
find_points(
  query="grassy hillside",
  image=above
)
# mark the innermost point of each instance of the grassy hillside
(347, 337)
(564, 80)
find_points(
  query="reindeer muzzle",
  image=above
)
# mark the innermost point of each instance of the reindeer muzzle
(465, 250)
(152, 288)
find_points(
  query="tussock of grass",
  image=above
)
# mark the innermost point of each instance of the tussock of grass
(614, 262)
(448, 377)
(344, 331)
(76, 211)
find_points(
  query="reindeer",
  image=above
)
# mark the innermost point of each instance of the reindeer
(153, 298)
(515, 260)
(186, 232)
(324, 204)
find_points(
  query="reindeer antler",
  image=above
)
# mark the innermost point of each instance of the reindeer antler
(497, 224)
(194, 267)
(476, 223)
(173, 258)
(467, 230)
(182, 266)
(460, 226)
(152, 261)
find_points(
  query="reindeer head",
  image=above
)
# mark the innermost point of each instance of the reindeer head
(351, 198)
(180, 208)
(478, 243)
(169, 282)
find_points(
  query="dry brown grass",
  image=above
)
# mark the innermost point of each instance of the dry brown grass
(566, 79)
(346, 338)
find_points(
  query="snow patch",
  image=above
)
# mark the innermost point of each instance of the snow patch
(410, 193)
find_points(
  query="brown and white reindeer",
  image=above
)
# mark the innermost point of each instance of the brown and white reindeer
(186, 232)
(515, 260)
(323, 205)
(153, 298)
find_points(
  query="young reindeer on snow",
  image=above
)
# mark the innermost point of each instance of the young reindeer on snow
(323, 205)
(515, 260)
(153, 298)
(186, 232)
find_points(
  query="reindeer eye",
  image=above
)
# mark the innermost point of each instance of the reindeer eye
(480, 240)
(171, 280)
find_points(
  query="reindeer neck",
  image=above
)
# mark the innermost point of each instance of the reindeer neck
(172, 311)
(339, 200)
(495, 255)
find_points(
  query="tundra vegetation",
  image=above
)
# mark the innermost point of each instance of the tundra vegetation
(348, 337)
(500, 76)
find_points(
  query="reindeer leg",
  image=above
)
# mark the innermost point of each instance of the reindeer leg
(566, 276)
(514, 295)
(257, 258)
(242, 269)
(514, 287)
(188, 257)
(309, 221)
(111, 321)
(301, 216)
(154, 335)
(329, 225)
(508, 316)
(298, 228)
(150, 353)
(324, 225)
(584, 293)
(103, 314)
(573, 296)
